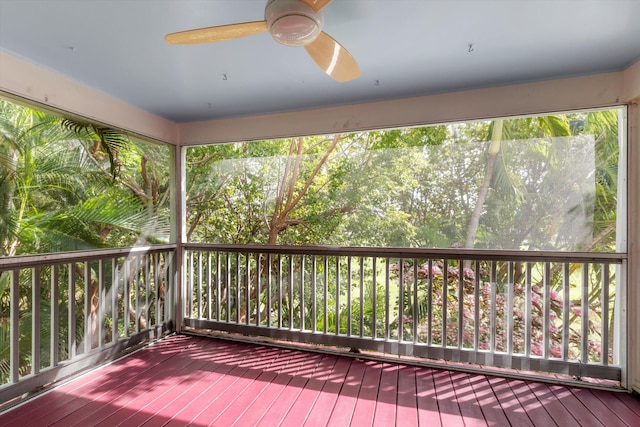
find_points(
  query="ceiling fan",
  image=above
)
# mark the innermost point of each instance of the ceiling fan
(292, 23)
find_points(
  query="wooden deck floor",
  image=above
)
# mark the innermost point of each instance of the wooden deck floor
(199, 381)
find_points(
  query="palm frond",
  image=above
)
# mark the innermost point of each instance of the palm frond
(111, 140)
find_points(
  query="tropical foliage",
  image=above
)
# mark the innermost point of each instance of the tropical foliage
(527, 184)
(66, 185)
(541, 183)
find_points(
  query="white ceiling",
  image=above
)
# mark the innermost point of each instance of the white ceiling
(404, 48)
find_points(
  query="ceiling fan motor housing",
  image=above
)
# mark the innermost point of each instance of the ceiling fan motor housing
(292, 22)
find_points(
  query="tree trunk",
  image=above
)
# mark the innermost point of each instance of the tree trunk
(492, 155)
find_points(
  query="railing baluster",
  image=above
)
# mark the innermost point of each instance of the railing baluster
(188, 300)
(238, 280)
(460, 303)
(510, 307)
(337, 312)
(362, 296)
(14, 360)
(147, 289)
(476, 307)
(247, 275)
(302, 302)
(208, 280)
(269, 291)
(279, 291)
(114, 299)
(127, 295)
(35, 320)
(228, 285)
(584, 319)
(290, 290)
(546, 320)
(401, 300)
(493, 327)
(72, 311)
(101, 302)
(349, 302)
(198, 286)
(604, 320)
(218, 288)
(374, 298)
(445, 299)
(527, 309)
(414, 314)
(387, 297)
(157, 279)
(55, 316)
(566, 300)
(326, 293)
(138, 267)
(314, 323)
(258, 286)
(430, 303)
(87, 307)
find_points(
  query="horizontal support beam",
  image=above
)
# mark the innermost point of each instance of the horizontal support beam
(543, 97)
(408, 253)
(22, 80)
(27, 261)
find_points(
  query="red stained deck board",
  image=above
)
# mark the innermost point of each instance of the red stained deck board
(132, 389)
(368, 395)
(625, 406)
(576, 408)
(407, 405)
(348, 396)
(466, 398)
(290, 393)
(554, 407)
(631, 401)
(276, 412)
(245, 399)
(450, 414)
(216, 408)
(76, 394)
(487, 401)
(385, 414)
(428, 413)
(509, 402)
(529, 401)
(308, 396)
(605, 414)
(271, 394)
(208, 367)
(323, 406)
(217, 382)
(235, 381)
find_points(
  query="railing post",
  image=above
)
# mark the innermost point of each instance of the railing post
(15, 325)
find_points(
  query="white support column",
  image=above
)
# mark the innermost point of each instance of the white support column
(177, 232)
(633, 270)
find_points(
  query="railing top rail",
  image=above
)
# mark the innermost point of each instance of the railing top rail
(408, 253)
(8, 263)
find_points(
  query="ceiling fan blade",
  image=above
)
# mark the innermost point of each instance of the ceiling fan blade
(334, 59)
(316, 4)
(217, 34)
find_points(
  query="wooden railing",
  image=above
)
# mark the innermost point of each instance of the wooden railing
(71, 311)
(533, 311)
